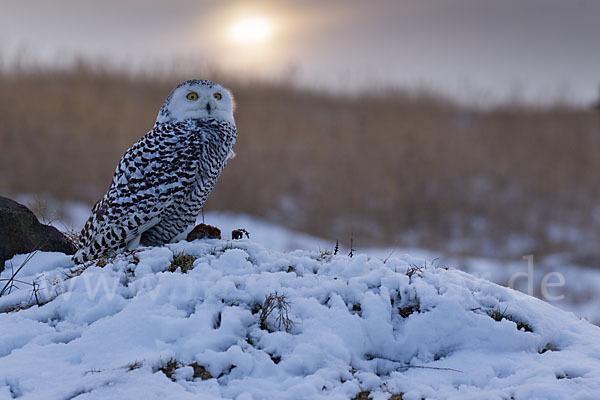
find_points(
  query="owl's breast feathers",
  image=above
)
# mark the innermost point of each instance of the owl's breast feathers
(168, 158)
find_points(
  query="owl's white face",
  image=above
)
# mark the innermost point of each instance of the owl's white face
(197, 99)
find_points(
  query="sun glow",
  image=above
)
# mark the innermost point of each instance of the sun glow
(251, 30)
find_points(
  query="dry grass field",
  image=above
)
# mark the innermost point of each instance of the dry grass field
(390, 167)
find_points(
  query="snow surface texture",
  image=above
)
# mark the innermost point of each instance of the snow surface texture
(579, 294)
(359, 324)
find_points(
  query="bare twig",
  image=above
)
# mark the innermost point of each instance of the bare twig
(15, 280)
(36, 288)
(10, 284)
(275, 301)
(388, 257)
(425, 367)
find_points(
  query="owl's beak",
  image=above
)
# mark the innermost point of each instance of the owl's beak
(208, 107)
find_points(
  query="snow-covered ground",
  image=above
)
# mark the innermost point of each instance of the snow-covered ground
(131, 328)
(379, 322)
(568, 286)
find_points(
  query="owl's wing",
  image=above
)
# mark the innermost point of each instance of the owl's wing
(144, 185)
(114, 223)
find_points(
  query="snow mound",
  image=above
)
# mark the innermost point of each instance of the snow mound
(155, 325)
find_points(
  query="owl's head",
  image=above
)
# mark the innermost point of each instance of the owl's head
(197, 99)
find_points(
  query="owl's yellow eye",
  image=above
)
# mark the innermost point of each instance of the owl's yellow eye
(192, 96)
(218, 96)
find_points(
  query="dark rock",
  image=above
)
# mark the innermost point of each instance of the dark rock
(21, 232)
(204, 231)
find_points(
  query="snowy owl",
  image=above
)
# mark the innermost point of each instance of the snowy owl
(163, 180)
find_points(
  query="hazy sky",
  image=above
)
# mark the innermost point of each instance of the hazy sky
(482, 49)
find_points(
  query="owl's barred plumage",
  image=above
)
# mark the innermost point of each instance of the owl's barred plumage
(163, 180)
